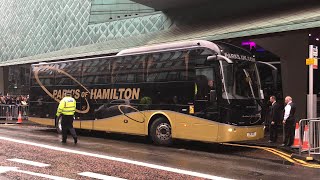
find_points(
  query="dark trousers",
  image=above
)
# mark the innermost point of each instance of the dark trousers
(289, 133)
(67, 124)
(273, 132)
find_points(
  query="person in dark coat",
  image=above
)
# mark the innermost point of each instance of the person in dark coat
(276, 117)
(289, 120)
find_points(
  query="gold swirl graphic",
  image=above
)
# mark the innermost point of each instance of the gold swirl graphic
(36, 71)
(124, 105)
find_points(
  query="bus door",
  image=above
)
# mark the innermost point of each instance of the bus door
(268, 73)
(205, 93)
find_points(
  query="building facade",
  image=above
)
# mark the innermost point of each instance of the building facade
(34, 31)
(35, 27)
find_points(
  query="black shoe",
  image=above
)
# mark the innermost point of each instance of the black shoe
(75, 140)
(64, 141)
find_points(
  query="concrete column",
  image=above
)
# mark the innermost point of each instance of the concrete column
(1, 80)
(292, 48)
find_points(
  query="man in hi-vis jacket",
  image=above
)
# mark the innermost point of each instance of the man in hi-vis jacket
(67, 108)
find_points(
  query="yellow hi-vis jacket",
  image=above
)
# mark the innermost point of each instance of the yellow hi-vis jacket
(67, 106)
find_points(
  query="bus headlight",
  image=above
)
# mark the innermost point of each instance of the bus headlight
(232, 129)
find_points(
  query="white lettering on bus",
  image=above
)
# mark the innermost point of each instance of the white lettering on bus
(121, 93)
(239, 57)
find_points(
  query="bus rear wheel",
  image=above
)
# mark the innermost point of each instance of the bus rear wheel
(59, 125)
(160, 132)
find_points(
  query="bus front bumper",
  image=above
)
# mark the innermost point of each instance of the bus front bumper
(230, 133)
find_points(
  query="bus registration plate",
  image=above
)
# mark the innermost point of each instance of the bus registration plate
(251, 134)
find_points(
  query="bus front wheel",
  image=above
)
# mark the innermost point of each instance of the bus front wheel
(160, 131)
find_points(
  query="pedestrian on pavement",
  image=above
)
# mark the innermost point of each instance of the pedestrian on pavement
(2, 100)
(66, 109)
(8, 100)
(289, 121)
(275, 119)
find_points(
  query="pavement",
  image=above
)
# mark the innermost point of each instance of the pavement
(107, 156)
(14, 121)
(278, 145)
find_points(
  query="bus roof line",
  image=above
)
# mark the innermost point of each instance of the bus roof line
(171, 46)
(182, 45)
(107, 57)
(157, 51)
(238, 47)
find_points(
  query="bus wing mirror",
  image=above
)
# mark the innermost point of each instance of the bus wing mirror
(213, 96)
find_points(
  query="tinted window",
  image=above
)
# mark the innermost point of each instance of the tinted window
(45, 75)
(96, 71)
(205, 81)
(168, 66)
(129, 69)
(66, 69)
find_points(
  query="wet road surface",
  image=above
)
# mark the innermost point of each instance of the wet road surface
(132, 157)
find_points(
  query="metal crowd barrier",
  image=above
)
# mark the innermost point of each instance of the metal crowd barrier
(309, 139)
(11, 112)
(314, 136)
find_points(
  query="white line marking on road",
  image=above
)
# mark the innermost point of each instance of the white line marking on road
(154, 166)
(42, 175)
(33, 163)
(4, 169)
(99, 176)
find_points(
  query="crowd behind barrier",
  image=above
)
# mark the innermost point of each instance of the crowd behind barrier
(12, 106)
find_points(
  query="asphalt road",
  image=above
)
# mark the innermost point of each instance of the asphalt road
(34, 152)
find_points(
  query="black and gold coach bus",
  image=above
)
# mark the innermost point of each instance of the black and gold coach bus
(192, 90)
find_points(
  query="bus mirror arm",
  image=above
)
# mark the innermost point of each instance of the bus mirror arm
(219, 58)
(275, 79)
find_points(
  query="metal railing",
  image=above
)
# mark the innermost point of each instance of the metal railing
(11, 112)
(314, 137)
(309, 138)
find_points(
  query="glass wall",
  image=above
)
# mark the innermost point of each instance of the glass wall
(16, 79)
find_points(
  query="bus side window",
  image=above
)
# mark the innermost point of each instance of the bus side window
(204, 83)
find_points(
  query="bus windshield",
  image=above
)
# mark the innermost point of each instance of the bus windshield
(241, 80)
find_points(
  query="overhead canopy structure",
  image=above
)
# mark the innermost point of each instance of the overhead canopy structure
(243, 27)
(175, 4)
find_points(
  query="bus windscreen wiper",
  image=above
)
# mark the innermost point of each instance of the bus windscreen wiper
(250, 82)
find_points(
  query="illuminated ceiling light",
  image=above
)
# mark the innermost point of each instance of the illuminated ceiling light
(249, 43)
(309, 34)
(317, 39)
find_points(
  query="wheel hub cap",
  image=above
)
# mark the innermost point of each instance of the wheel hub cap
(164, 131)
